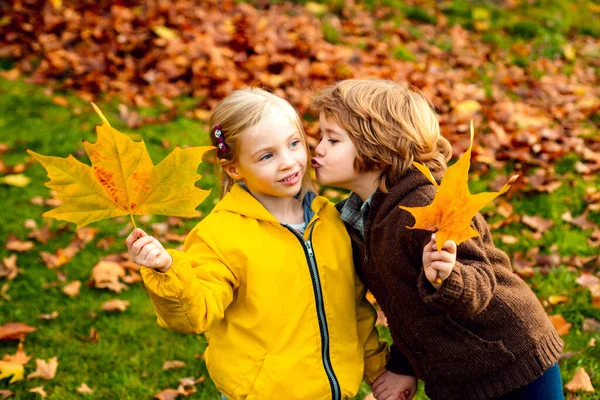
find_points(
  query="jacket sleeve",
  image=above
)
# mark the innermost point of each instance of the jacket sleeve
(470, 287)
(398, 363)
(195, 291)
(376, 351)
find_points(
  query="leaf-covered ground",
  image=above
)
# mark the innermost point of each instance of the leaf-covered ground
(527, 72)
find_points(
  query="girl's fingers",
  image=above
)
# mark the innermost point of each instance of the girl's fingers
(378, 382)
(139, 244)
(152, 257)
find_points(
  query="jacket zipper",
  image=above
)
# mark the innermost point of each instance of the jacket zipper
(314, 274)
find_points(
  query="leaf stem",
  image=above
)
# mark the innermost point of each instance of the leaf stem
(132, 221)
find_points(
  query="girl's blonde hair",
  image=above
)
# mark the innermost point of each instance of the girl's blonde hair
(240, 111)
(390, 125)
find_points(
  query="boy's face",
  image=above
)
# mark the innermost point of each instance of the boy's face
(334, 156)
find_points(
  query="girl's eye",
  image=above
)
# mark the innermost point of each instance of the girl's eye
(265, 157)
(295, 143)
(332, 141)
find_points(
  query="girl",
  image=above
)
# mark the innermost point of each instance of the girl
(481, 333)
(268, 273)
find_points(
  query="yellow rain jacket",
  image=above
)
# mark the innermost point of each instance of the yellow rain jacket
(285, 316)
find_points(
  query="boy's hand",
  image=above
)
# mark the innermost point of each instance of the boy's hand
(147, 251)
(391, 386)
(438, 264)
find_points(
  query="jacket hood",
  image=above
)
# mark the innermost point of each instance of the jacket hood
(240, 201)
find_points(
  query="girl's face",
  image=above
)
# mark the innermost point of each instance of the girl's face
(272, 157)
(334, 156)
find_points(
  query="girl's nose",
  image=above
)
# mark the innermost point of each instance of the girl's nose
(287, 160)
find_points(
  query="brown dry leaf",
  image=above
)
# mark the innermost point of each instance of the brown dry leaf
(560, 324)
(85, 389)
(580, 221)
(42, 235)
(173, 364)
(8, 267)
(115, 305)
(167, 394)
(49, 317)
(106, 274)
(537, 223)
(15, 331)
(72, 289)
(3, 291)
(581, 382)
(39, 390)
(14, 244)
(590, 325)
(19, 357)
(45, 369)
(5, 394)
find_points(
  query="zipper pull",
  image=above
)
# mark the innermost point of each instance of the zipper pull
(309, 247)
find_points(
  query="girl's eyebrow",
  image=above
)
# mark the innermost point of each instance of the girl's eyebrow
(295, 133)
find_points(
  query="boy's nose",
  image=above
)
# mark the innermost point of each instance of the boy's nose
(319, 149)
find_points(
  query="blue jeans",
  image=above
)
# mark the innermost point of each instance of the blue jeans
(546, 387)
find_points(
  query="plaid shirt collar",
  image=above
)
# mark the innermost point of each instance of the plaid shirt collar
(354, 212)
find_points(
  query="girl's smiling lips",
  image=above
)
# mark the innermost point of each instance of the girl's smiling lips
(291, 179)
(315, 163)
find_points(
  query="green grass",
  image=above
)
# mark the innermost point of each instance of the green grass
(126, 362)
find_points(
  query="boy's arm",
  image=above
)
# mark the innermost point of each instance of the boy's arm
(376, 351)
(470, 287)
(194, 293)
(398, 363)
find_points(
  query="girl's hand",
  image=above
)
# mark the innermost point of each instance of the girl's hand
(438, 264)
(147, 251)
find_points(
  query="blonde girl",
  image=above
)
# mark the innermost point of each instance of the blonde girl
(268, 274)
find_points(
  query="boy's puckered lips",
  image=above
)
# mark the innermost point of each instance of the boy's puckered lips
(315, 163)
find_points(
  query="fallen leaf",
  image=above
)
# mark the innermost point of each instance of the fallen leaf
(553, 299)
(173, 364)
(11, 369)
(19, 357)
(560, 324)
(167, 394)
(453, 206)
(590, 325)
(48, 317)
(14, 244)
(115, 305)
(5, 394)
(581, 382)
(17, 180)
(8, 267)
(15, 331)
(39, 390)
(45, 369)
(85, 389)
(537, 223)
(72, 289)
(106, 275)
(123, 180)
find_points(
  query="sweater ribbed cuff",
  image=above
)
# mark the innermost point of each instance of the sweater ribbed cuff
(398, 363)
(450, 291)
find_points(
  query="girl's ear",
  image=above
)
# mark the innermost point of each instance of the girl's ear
(231, 169)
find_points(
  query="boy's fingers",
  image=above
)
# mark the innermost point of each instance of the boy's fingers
(431, 274)
(377, 383)
(450, 246)
(442, 256)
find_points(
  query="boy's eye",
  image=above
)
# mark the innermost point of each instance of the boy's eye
(332, 141)
(265, 157)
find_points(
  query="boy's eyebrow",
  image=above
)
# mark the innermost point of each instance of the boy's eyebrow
(269, 147)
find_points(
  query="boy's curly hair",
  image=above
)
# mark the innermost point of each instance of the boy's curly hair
(390, 125)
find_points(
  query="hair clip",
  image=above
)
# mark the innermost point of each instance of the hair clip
(220, 139)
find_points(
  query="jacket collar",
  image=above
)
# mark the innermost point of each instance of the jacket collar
(240, 201)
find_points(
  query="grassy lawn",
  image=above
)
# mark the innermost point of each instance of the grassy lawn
(126, 361)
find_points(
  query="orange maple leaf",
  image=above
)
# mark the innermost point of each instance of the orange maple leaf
(123, 180)
(454, 206)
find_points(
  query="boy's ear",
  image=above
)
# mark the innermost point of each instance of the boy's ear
(231, 169)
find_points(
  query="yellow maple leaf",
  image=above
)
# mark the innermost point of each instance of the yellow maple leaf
(453, 207)
(123, 180)
(8, 368)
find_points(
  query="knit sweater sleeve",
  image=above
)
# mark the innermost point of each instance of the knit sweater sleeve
(470, 287)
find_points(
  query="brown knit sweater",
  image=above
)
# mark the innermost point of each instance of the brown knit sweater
(483, 334)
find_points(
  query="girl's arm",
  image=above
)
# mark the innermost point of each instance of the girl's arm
(195, 291)
(376, 351)
(470, 286)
